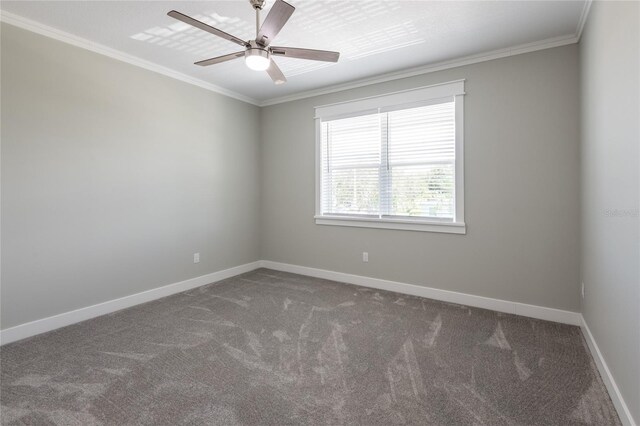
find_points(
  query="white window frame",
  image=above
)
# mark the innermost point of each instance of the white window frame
(421, 96)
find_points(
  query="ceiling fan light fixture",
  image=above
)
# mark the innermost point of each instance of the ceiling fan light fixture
(257, 59)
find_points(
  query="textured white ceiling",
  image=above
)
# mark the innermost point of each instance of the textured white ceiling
(374, 37)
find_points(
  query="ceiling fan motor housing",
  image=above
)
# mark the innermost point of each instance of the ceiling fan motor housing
(257, 57)
(254, 49)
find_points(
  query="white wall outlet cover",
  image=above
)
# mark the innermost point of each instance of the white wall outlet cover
(365, 256)
(196, 257)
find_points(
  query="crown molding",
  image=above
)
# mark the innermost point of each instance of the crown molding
(583, 18)
(426, 69)
(65, 37)
(56, 34)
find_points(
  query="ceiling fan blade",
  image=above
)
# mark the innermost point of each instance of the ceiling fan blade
(314, 55)
(276, 74)
(275, 20)
(219, 59)
(208, 28)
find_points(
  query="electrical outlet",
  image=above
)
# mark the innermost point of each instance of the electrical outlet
(582, 290)
(196, 257)
(365, 256)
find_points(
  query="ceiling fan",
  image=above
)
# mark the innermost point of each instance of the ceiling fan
(258, 54)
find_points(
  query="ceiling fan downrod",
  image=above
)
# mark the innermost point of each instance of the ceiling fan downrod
(257, 5)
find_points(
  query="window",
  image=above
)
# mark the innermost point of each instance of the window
(393, 161)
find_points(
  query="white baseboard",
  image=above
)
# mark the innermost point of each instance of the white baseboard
(43, 325)
(33, 328)
(532, 311)
(607, 378)
(51, 323)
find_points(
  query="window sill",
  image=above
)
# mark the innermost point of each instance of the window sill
(398, 224)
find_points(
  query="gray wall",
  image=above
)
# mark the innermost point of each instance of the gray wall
(610, 66)
(522, 188)
(113, 176)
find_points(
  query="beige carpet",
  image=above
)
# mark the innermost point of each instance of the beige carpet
(274, 348)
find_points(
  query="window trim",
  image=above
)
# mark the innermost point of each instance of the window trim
(386, 102)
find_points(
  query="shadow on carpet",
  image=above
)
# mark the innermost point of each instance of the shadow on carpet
(275, 348)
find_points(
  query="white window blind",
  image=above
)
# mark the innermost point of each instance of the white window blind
(393, 163)
(398, 163)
